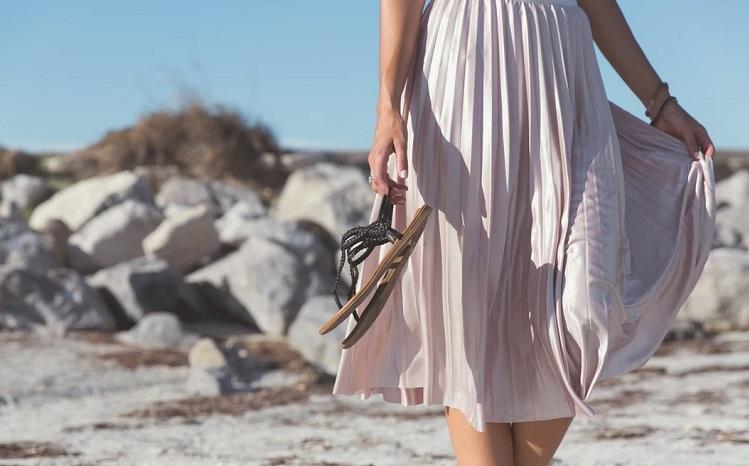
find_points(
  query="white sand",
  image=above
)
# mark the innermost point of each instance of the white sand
(682, 408)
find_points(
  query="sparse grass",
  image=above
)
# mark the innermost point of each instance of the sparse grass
(30, 449)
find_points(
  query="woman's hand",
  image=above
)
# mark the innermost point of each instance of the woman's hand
(390, 137)
(675, 121)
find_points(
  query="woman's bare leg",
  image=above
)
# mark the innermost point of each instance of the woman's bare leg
(534, 442)
(473, 448)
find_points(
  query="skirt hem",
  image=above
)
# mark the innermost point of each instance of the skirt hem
(413, 396)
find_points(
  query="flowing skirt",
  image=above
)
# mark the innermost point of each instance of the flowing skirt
(565, 236)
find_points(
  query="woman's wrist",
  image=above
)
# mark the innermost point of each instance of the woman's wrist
(658, 100)
(388, 99)
(386, 106)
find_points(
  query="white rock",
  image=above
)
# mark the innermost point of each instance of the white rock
(24, 191)
(226, 196)
(721, 297)
(205, 354)
(323, 351)
(732, 225)
(140, 286)
(734, 189)
(336, 197)
(113, 236)
(155, 330)
(57, 299)
(80, 202)
(23, 247)
(237, 223)
(184, 238)
(270, 282)
(275, 270)
(184, 190)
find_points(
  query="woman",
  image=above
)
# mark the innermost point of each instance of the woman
(565, 235)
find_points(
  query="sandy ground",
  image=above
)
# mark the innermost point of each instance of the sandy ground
(86, 399)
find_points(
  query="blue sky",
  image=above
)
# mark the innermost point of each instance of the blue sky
(75, 69)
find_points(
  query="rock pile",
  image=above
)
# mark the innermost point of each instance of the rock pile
(110, 251)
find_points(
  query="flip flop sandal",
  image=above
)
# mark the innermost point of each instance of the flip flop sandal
(366, 238)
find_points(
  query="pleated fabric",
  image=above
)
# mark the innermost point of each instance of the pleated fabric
(565, 234)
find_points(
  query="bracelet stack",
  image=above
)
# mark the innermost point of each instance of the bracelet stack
(658, 102)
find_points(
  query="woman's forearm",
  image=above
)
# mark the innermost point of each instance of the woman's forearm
(399, 27)
(617, 43)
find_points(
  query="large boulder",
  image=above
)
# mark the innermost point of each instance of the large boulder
(270, 284)
(24, 248)
(139, 286)
(324, 351)
(216, 370)
(240, 221)
(734, 189)
(227, 195)
(336, 197)
(272, 274)
(25, 191)
(732, 215)
(57, 300)
(80, 202)
(732, 225)
(721, 298)
(210, 285)
(157, 330)
(185, 238)
(184, 191)
(114, 236)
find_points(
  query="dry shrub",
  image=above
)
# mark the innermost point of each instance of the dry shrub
(207, 142)
(14, 162)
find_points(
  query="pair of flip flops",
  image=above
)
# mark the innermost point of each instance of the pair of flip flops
(363, 239)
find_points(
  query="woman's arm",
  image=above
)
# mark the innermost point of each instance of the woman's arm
(617, 43)
(399, 27)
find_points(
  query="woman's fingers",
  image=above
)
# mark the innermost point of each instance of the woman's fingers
(691, 143)
(401, 159)
(390, 138)
(383, 183)
(378, 168)
(704, 141)
(710, 151)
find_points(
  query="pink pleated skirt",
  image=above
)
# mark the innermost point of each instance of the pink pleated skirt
(565, 234)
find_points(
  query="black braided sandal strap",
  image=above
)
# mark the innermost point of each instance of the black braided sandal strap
(358, 243)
